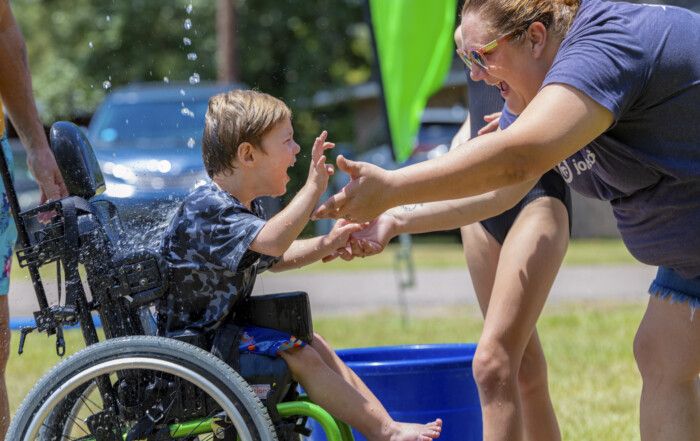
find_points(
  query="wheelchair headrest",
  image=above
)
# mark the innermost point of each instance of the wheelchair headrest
(76, 160)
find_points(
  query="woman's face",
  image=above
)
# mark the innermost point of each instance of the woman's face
(511, 66)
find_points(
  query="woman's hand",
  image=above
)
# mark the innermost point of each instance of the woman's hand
(364, 198)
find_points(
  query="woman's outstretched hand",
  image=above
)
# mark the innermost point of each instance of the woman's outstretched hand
(363, 199)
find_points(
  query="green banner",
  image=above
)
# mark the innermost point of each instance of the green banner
(415, 47)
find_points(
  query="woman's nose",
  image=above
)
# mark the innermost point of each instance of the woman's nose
(297, 149)
(478, 73)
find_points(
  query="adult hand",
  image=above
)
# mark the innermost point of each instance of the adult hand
(364, 198)
(492, 123)
(43, 167)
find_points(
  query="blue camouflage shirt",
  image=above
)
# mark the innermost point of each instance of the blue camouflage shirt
(212, 268)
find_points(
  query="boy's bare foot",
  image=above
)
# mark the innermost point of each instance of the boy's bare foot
(413, 432)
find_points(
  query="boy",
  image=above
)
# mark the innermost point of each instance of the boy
(219, 240)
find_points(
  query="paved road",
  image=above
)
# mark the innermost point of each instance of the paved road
(353, 292)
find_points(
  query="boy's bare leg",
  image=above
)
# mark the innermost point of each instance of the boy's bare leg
(333, 392)
(334, 362)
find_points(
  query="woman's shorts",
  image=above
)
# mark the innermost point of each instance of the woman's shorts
(266, 341)
(8, 230)
(550, 184)
(669, 284)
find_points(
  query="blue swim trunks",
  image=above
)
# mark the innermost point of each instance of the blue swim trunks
(8, 230)
(266, 341)
(669, 284)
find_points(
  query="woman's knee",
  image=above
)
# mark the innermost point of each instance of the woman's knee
(493, 366)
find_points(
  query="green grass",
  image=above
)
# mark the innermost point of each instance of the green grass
(593, 379)
(450, 254)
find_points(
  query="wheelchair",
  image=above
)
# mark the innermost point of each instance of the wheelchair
(136, 384)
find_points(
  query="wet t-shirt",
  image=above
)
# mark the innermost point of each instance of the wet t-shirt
(641, 62)
(212, 268)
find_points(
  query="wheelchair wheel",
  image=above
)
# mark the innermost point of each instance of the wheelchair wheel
(163, 389)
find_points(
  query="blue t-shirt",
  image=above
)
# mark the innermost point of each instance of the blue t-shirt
(642, 62)
(212, 268)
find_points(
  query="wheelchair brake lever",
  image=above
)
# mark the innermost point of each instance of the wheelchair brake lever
(24, 330)
(60, 342)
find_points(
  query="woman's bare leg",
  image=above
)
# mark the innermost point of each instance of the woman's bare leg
(667, 350)
(512, 283)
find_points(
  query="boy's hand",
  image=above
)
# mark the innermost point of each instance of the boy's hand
(319, 171)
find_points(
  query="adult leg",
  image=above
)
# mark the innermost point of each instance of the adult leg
(666, 350)
(509, 365)
(330, 390)
(4, 355)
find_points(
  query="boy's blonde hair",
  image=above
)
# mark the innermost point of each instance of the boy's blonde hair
(236, 117)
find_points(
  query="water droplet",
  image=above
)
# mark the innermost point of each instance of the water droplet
(194, 79)
(90, 44)
(166, 80)
(187, 41)
(108, 19)
(188, 24)
(187, 112)
(182, 92)
(106, 84)
(190, 143)
(189, 8)
(191, 56)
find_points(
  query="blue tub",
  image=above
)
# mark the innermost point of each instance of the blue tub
(419, 383)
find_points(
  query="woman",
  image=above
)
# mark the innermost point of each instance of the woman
(609, 93)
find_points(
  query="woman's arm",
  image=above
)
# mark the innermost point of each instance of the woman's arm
(440, 215)
(558, 122)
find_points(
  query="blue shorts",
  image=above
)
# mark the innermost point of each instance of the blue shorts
(669, 284)
(8, 230)
(266, 341)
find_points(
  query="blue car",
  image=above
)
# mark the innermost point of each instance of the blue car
(148, 140)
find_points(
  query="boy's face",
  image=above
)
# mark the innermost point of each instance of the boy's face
(279, 154)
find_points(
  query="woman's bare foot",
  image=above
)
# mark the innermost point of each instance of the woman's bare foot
(411, 432)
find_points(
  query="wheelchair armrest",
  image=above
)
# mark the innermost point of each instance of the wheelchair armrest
(288, 312)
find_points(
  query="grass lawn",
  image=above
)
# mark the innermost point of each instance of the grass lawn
(594, 383)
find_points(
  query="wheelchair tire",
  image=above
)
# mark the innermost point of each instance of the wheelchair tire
(60, 404)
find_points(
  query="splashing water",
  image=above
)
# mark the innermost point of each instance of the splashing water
(90, 44)
(108, 19)
(186, 41)
(194, 79)
(187, 112)
(166, 80)
(191, 56)
(190, 143)
(106, 84)
(189, 8)
(188, 24)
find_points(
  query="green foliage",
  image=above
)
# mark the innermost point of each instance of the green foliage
(291, 49)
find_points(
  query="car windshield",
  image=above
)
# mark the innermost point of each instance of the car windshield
(145, 122)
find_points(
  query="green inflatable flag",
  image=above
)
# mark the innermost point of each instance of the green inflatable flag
(415, 47)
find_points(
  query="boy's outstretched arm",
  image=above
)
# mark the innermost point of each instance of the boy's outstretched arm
(306, 251)
(279, 232)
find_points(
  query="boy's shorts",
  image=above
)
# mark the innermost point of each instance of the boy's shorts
(669, 284)
(257, 340)
(8, 230)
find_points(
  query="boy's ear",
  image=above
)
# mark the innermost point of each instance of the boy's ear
(246, 154)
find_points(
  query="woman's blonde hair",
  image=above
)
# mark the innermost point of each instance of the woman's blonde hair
(236, 117)
(504, 16)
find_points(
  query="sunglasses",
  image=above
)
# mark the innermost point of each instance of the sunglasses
(477, 55)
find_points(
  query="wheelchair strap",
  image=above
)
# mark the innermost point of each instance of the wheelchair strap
(70, 207)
